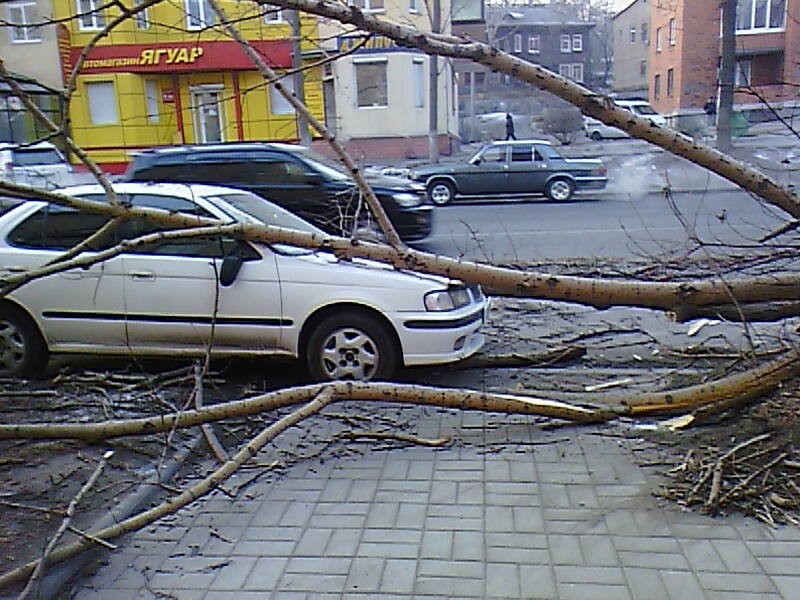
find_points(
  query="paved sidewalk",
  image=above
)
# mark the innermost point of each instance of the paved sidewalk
(510, 510)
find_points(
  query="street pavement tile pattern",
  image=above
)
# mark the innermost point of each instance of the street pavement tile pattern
(508, 510)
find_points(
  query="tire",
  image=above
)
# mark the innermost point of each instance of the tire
(352, 346)
(596, 136)
(559, 190)
(23, 352)
(441, 192)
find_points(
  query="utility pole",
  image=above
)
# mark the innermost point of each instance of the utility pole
(433, 84)
(303, 136)
(727, 65)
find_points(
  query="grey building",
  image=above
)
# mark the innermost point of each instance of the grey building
(631, 46)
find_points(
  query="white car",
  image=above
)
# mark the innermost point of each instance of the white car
(597, 130)
(176, 297)
(39, 165)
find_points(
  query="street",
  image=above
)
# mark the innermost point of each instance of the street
(631, 219)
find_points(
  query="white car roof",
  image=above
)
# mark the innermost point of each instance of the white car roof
(183, 190)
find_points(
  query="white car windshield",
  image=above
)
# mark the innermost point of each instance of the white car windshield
(267, 213)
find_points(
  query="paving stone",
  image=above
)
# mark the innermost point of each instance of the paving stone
(645, 584)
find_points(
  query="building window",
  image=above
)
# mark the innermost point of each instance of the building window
(573, 71)
(658, 39)
(199, 14)
(670, 82)
(372, 89)
(643, 68)
(517, 43)
(577, 42)
(22, 19)
(760, 14)
(412, 6)
(566, 43)
(151, 100)
(645, 27)
(742, 74)
(102, 103)
(278, 105)
(633, 35)
(272, 14)
(418, 76)
(90, 15)
(141, 20)
(671, 32)
(533, 44)
(367, 5)
(657, 87)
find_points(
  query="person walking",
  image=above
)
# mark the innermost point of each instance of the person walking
(510, 127)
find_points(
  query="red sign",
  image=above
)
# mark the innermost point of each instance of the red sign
(181, 57)
(168, 96)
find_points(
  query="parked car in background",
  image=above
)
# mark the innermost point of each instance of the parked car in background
(512, 169)
(597, 130)
(301, 180)
(40, 165)
(641, 108)
(184, 296)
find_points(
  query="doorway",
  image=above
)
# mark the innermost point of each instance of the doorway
(207, 115)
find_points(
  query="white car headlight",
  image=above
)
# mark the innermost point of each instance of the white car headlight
(407, 200)
(446, 300)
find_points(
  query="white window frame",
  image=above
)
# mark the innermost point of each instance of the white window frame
(577, 72)
(29, 17)
(517, 43)
(750, 27)
(141, 19)
(657, 86)
(365, 61)
(366, 5)
(671, 32)
(151, 100)
(566, 43)
(418, 78)
(534, 44)
(633, 35)
(202, 18)
(413, 7)
(743, 74)
(658, 39)
(565, 70)
(577, 42)
(272, 14)
(101, 100)
(91, 18)
(278, 105)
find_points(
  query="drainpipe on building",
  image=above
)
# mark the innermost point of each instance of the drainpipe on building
(433, 84)
(303, 135)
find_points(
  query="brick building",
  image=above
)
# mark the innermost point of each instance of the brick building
(631, 32)
(685, 47)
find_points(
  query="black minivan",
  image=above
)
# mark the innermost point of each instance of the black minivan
(301, 180)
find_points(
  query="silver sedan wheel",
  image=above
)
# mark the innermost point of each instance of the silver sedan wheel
(560, 190)
(349, 353)
(441, 193)
(12, 347)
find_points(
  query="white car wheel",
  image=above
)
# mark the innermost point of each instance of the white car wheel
(560, 190)
(441, 192)
(22, 350)
(351, 347)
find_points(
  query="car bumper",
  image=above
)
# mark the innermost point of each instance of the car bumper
(436, 338)
(597, 183)
(414, 224)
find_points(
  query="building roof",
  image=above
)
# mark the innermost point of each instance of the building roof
(534, 15)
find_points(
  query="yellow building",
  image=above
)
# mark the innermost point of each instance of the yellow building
(170, 75)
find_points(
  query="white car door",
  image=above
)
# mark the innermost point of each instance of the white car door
(75, 308)
(174, 299)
